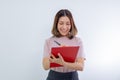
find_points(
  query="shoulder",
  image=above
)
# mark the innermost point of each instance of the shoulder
(50, 39)
(78, 39)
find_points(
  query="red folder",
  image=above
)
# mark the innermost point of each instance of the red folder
(68, 53)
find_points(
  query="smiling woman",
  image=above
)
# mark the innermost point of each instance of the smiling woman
(64, 32)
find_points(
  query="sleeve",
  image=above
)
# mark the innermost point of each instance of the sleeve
(81, 49)
(46, 52)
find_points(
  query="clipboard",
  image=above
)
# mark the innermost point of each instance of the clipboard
(68, 53)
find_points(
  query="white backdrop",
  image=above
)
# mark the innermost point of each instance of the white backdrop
(25, 24)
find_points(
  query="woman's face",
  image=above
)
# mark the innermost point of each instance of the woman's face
(64, 25)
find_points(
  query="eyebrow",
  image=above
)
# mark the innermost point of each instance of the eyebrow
(64, 21)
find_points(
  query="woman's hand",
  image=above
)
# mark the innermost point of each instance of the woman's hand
(58, 60)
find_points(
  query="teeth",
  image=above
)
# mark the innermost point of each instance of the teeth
(64, 31)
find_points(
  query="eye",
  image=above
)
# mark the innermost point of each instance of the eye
(60, 23)
(68, 24)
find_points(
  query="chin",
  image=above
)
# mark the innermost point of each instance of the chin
(64, 34)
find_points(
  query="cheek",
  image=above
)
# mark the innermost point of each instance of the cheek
(69, 27)
(58, 28)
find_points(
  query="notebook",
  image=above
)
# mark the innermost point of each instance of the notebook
(68, 53)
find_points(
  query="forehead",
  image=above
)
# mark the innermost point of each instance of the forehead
(64, 18)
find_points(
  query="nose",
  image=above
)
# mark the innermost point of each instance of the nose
(64, 26)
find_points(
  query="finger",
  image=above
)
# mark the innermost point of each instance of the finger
(60, 56)
(52, 56)
(51, 59)
(62, 45)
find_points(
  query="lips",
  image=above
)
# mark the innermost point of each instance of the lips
(63, 31)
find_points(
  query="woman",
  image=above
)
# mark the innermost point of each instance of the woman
(64, 31)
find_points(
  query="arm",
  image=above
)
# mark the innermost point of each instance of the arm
(77, 65)
(46, 63)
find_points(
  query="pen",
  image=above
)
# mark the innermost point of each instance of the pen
(57, 43)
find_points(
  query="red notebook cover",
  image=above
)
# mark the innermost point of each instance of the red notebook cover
(68, 53)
